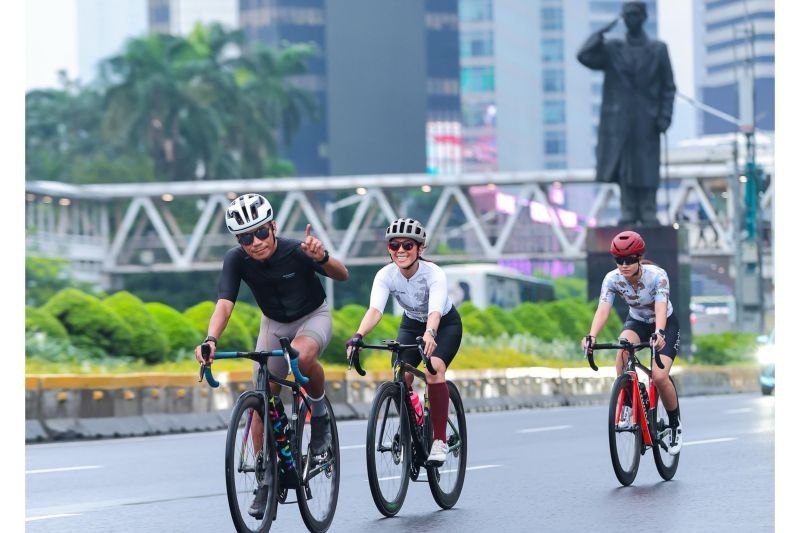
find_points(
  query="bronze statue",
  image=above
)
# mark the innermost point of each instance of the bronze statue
(638, 93)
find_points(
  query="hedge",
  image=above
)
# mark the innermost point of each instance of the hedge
(181, 336)
(724, 348)
(534, 320)
(40, 321)
(148, 339)
(90, 325)
(250, 315)
(235, 338)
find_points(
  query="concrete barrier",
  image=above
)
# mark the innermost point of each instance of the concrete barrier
(68, 407)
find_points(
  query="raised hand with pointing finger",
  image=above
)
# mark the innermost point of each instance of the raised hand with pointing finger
(313, 247)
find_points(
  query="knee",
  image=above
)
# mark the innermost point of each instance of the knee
(660, 378)
(308, 358)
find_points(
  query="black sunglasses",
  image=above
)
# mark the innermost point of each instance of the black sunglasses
(247, 238)
(407, 245)
(627, 260)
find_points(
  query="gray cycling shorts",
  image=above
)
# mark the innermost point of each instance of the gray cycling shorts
(316, 325)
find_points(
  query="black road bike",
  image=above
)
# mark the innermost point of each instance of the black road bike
(648, 424)
(398, 447)
(248, 467)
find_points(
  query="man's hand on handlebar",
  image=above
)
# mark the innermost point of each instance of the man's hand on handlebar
(198, 353)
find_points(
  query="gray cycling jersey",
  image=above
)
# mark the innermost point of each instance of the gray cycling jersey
(419, 296)
(652, 287)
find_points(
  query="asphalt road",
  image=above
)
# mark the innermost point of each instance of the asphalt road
(529, 470)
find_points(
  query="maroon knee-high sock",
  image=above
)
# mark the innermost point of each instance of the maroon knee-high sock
(439, 397)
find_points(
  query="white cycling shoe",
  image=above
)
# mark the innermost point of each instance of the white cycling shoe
(438, 452)
(675, 439)
(625, 418)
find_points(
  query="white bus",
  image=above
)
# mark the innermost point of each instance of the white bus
(485, 284)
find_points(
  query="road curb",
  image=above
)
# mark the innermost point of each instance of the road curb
(59, 408)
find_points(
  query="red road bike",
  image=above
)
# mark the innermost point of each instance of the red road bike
(637, 418)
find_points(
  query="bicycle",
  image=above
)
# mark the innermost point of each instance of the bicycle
(315, 480)
(398, 444)
(649, 423)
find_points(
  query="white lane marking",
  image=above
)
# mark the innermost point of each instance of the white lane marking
(64, 469)
(47, 517)
(737, 411)
(708, 441)
(481, 467)
(545, 428)
(352, 447)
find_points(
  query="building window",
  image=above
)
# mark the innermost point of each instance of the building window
(552, 19)
(554, 112)
(555, 142)
(474, 10)
(477, 44)
(479, 114)
(553, 80)
(552, 50)
(477, 79)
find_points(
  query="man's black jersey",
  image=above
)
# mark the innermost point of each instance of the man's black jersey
(285, 285)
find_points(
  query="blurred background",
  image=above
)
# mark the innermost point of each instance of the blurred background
(145, 117)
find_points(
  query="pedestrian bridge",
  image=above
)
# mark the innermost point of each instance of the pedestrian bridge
(106, 229)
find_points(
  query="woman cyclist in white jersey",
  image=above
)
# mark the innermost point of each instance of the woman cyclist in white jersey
(420, 287)
(645, 288)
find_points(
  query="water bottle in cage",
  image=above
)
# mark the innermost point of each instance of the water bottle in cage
(280, 426)
(417, 405)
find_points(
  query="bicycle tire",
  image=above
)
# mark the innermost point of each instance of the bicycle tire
(457, 441)
(386, 413)
(625, 451)
(239, 455)
(666, 464)
(318, 521)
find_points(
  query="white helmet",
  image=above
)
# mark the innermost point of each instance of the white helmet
(406, 227)
(247, 212)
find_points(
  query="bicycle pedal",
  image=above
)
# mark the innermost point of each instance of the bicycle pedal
(434, 464)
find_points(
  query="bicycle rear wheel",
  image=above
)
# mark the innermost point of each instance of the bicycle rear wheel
(447, 480)
(388, 450)
(246, 469)
(318, 508)
(625, 445)
(666, 464)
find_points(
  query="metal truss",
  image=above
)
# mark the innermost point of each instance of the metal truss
(178, 226)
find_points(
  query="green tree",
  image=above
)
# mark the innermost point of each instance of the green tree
(40, 321)
(45, 276)
(236, 336)
(510, 324)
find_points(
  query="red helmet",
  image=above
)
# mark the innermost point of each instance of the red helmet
(627, 243)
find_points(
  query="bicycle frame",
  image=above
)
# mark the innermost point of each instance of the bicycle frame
(639, 415)
(400, 369)
(265, 393)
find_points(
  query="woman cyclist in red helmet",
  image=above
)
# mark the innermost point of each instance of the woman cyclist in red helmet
(645, 288)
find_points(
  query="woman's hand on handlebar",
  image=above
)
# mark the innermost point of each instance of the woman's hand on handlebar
(588, 343)
(198, 354)
(430, 344)
(355, 341)
(657, 341)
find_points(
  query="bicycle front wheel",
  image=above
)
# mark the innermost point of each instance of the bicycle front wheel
(318, 506)
(388, 450)
(625, 444)
(447, 480)
(246, 469)
(666, 464)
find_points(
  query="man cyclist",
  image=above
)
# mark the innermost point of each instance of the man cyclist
(645, 288)
(282, 275)
(420, 287)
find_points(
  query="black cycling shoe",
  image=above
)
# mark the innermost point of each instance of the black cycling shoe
(259, 505)
(320, 435)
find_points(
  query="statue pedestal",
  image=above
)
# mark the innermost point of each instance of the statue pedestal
(667, 247)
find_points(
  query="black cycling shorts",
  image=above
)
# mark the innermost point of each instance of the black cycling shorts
(644, 330)
(448, 337)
